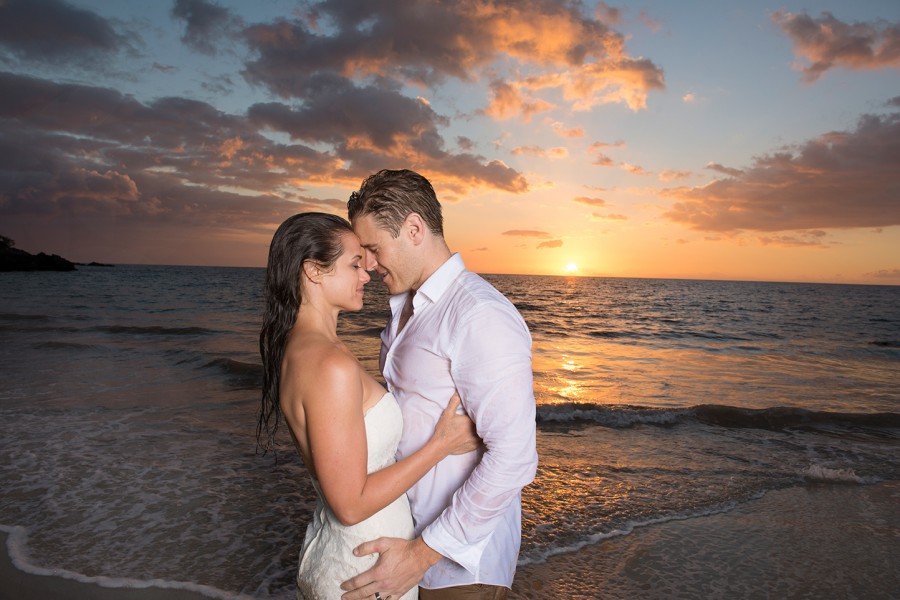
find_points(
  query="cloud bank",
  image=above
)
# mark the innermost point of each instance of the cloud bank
(840, 180)
(827, 42)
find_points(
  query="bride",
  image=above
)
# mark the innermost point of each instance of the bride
(343, 422)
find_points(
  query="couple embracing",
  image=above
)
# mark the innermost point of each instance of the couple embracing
(419, 484)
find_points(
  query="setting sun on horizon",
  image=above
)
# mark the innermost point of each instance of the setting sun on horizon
(724, 140)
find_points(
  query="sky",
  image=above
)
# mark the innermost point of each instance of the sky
(697, 139)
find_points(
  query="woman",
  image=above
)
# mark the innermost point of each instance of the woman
(343, 422)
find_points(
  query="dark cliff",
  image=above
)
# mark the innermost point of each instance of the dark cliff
(13, 259)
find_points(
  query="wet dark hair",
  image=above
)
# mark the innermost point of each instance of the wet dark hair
(392, 195)
(314, 237)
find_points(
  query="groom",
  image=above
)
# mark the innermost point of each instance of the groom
(449, 329)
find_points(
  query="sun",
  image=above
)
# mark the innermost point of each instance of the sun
(571, 268)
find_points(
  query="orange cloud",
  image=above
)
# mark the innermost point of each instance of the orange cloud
(634, 169)
(590, 201)
(603, 161)
(610, 217)
(624, 80)
(428, 41)
(724, 170)
(827, 42)
(561, 131)
(670, 175)
(508, 102)
(886, 274)
(554, 153)
(809, 239)
(230, 147)
(546, 36)
(839, 180)
(527, 233)
(598, 145)
(608, 13)
(651, 23)
(550, 244)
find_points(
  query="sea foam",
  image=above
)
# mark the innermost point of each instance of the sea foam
(17, 547)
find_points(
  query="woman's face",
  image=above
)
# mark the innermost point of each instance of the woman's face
(345, 281)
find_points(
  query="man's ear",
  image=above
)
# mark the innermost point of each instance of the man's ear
(414, 226)
(312, 271)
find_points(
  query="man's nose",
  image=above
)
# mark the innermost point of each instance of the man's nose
(371, 263)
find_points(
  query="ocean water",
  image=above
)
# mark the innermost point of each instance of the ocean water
(128, 401)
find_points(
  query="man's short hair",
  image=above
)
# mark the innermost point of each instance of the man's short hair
(392, 195)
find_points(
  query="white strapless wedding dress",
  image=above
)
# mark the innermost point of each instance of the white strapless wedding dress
(326, 559)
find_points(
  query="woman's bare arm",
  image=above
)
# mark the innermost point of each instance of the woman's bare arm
(335, 429)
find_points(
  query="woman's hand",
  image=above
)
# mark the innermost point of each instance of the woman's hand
(454, 433)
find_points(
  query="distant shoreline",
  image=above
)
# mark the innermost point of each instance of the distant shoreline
(13, 259)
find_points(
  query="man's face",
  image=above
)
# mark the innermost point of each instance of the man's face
(387, 255)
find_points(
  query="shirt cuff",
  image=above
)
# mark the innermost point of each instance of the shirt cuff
(464, 553)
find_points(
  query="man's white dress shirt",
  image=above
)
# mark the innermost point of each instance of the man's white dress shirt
(465, 335)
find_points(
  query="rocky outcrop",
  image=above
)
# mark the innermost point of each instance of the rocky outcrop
(13, 259)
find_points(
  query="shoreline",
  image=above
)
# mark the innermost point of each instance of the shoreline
(19, 584)
(821, 540)
(818, 540)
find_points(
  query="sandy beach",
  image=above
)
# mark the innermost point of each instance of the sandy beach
(16, 584)
(821, 541)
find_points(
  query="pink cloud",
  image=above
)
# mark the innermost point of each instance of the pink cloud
(609, 217)
(553, 153)
(634, 169)
(562, 131)
(842, 179)
(527, 233)
(560, 46)
(808, 239)
(827, 42)
(672, 175)
(886, 274)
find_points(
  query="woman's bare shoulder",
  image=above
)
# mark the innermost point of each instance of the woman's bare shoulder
(316, 364)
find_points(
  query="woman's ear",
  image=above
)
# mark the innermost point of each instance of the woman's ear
(312, 272)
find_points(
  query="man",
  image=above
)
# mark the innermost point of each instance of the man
(449, 329)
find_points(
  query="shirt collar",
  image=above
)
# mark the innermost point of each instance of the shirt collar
(435, 286)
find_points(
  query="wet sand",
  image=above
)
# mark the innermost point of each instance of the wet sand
(819, 541)
(19, 585)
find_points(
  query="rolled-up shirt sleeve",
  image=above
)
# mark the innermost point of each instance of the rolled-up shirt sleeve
(491, 368)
